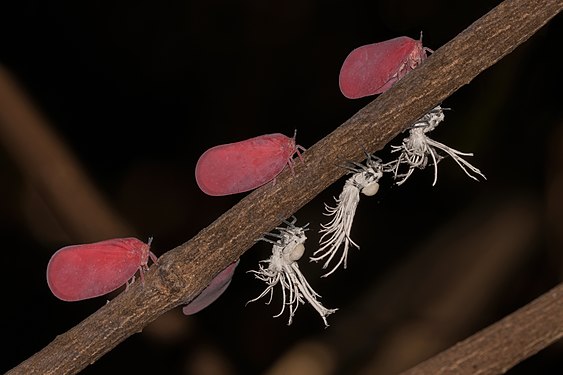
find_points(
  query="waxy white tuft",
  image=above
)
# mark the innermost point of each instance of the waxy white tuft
(418, 148)
(337, 232)
(283, 269)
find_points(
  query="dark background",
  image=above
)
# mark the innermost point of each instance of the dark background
(138, 90)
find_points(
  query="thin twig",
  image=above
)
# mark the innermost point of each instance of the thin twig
(184, 271)
(504, 344)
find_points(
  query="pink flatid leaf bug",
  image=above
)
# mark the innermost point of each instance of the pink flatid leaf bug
(246, 165)
(374, 68)
(85, 271)
(218, 285)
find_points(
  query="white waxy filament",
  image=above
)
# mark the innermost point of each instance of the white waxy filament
(336, 233)
(282, 269)
(417, 150)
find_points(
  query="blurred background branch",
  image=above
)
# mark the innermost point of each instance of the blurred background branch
(52, 171)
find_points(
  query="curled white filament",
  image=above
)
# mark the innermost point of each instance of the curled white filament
(417, 150)
(337, 232)
(282, 269)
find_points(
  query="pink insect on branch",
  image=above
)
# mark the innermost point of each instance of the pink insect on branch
(372, 69)
(79, 272)
(246, 165)
(214, 290)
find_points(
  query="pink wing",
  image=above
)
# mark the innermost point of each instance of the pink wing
(242, 166)
(213, 291)
(374, 68)
(86, 271)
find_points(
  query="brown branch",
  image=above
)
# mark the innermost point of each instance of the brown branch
(184, 271)
(504, 344)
